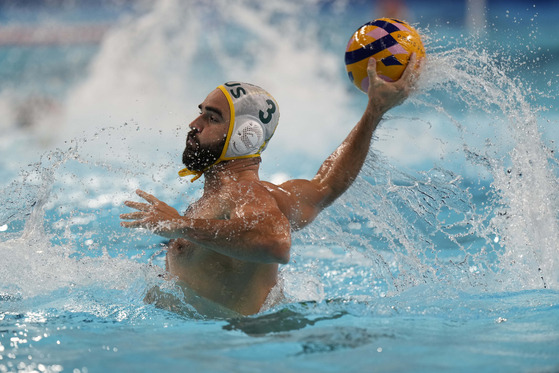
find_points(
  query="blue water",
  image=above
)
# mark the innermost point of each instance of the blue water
(441, 257)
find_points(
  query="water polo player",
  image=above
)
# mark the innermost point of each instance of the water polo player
(225, 250)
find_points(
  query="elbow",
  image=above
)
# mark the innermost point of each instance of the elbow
(273, 240)
(283, 252)
(279, 250)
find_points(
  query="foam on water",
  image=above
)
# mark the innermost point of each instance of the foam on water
(522, 166)
(36, 262)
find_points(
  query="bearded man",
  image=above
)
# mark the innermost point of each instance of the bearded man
(225, 250)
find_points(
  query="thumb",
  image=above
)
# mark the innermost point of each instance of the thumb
(372, 68)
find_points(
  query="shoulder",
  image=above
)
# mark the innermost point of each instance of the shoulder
(251, 192)
(298, 199)
(281, 194)
(296, 191)
(247, 188)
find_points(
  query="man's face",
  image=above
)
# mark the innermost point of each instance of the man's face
(208, 132)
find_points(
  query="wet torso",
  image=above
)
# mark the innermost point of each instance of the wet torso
(238, 285)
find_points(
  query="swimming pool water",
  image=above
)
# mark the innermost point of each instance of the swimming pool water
(441, 257)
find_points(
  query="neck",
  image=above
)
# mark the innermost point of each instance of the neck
(233, 170)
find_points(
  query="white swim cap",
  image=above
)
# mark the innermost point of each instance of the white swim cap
(254, 118)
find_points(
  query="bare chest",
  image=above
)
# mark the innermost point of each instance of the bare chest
(209, 208)
(201, 268)
(183, 253)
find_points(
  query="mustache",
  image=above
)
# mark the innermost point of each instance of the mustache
(191, 138)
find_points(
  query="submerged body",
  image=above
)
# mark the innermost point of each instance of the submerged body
(228, 245)
(237, 284)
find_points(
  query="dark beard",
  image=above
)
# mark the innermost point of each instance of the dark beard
(196, 158)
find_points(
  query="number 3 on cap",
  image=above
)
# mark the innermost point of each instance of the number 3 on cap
(266, 117)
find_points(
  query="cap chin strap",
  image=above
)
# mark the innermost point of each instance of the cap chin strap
(186, 172)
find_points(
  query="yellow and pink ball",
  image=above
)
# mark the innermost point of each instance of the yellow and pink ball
(390, 41)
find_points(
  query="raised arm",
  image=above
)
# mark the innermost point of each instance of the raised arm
(341, 168)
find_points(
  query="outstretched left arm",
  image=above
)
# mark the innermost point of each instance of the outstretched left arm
(256, 232)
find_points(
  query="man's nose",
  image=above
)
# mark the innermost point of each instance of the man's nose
(196, 125)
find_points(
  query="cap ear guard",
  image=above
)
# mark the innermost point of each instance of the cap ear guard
(247, 138)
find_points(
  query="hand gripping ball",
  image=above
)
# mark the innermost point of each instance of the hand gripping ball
(390, 42)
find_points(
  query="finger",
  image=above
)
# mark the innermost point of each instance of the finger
(133, 215)
(137, 205)
(418, 64)
(417, 61)
(410, 68)
(131, 224)
(148, 197)
(372, 68)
